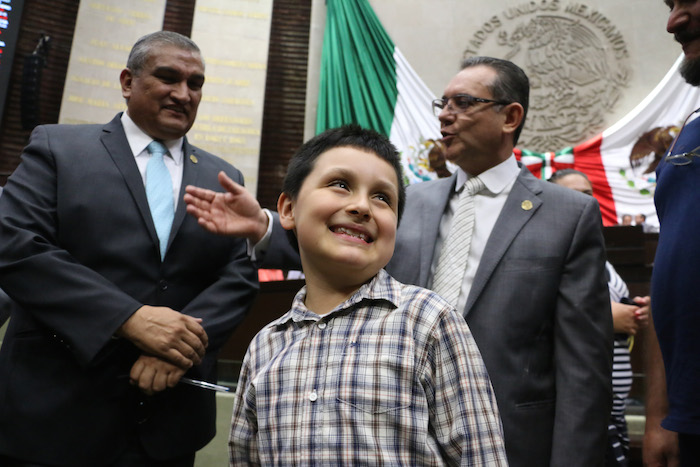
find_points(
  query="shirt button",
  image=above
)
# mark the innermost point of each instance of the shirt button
(313, 396)
(322, 325)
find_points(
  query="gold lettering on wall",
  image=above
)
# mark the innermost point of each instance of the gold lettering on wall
(92, 93)
(234, 38)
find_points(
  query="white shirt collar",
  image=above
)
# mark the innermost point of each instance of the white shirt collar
(496, 179)
(138, 140)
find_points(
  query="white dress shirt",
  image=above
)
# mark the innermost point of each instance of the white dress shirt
(488, 204)
(138, 141)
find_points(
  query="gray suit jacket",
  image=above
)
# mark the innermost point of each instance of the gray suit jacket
(539, 311)
(79, 254)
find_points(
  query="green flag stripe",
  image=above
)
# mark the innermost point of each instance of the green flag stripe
(358, 72)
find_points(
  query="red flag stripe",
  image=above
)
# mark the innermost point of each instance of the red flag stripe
(587, 159)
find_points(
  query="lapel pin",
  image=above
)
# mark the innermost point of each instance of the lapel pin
(193, 158)
(526, 205)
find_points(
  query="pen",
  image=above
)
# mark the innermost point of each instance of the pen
(204, 384)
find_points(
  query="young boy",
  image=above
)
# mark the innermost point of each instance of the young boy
(362, 370)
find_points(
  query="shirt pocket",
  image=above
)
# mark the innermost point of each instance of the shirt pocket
(374, 382)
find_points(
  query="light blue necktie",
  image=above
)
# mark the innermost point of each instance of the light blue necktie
(159, 190)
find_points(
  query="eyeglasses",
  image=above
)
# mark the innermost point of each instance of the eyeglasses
(460, 103)
(684, 158)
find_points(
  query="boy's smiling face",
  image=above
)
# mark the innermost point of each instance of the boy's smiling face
(345, 215)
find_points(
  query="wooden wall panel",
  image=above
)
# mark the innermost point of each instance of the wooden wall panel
(285, 95)
(58, 22)
(178, 16)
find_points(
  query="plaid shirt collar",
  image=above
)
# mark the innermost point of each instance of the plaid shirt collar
(380, 288)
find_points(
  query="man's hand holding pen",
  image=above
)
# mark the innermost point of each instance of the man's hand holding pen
(172, 343)
(153, 375)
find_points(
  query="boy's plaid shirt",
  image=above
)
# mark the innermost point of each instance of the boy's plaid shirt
(392, 376)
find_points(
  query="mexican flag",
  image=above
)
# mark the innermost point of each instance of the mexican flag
(620, 161)
(366, 80)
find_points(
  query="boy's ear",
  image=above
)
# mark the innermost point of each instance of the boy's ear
(285, 209)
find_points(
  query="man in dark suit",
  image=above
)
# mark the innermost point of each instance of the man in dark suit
(5, 308)
(534, 291)
(5, 302)
(102, 301)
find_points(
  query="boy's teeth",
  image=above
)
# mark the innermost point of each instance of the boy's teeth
(352, 233)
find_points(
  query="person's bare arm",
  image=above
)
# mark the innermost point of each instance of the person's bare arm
(660, 446)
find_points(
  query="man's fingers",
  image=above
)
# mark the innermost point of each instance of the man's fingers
(136, 371)
(228, 184)
(197, 329)
(193, 340)
(160, 381)
(187, 350)
(152, 374)
(145, 380)
(167, 334)
(192, 349)
(199, 195)
(194, 206)
(174, 377)
(197, 207)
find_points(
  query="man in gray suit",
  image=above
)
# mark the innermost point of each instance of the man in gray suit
(534, 291)
(111, 311)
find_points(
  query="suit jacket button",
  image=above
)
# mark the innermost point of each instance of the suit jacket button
(163, 285)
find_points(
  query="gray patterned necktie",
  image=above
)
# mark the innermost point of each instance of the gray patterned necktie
(452, 265)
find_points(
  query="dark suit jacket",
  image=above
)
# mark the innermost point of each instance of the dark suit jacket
(539, 310)
(6, 303)
(79, 254)
(6, 306)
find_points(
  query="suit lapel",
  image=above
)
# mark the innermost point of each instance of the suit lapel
(116, 144)
(114, 140)
(522, 203)
(190, 173)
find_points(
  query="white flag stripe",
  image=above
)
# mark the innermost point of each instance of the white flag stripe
(413, 115)
(668, 104)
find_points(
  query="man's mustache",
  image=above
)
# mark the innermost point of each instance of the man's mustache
(687, 36)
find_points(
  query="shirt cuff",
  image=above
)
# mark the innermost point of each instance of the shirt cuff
(258, 250)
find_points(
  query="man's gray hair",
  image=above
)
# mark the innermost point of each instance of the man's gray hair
(143, 47)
